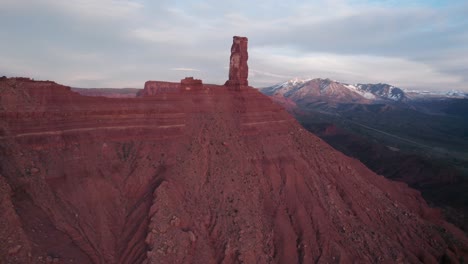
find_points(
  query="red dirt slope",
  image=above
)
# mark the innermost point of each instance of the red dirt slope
(213, 176)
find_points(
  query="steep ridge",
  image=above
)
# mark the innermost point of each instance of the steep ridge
(217, 175)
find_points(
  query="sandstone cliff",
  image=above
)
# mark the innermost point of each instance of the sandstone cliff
(213, 176)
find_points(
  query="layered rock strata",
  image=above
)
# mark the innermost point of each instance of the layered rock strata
(222, 176)
(219, 176)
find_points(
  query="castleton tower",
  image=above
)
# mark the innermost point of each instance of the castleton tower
(238, 68)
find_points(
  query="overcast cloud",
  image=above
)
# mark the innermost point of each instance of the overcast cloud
(122, 43)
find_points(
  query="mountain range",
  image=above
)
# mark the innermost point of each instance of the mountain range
(335, 91)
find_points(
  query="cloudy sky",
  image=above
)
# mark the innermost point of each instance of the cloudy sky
(122, 43)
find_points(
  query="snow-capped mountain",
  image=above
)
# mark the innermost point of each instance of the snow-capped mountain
(300, 89)
(383, 90)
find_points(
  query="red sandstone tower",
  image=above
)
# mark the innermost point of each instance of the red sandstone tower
(238, 68)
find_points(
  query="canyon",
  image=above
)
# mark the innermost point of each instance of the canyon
(195, 173)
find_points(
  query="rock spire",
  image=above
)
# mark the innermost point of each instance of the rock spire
(238, 68)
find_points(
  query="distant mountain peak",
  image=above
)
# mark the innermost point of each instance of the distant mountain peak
(299, 88)
(384, 90)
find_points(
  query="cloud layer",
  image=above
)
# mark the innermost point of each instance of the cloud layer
(123, 43)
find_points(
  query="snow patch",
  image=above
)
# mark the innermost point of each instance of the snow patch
(358, 90)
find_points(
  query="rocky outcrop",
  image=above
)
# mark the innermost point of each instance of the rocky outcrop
(191, 84)
(238, 68)
(157, 87)
(153, 88)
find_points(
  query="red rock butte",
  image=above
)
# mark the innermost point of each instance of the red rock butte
(210, 174)
(153, 88)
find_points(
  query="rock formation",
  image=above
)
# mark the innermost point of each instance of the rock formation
(215, 177)
(191, 84)
(238, 68)
(158, 87)
(153, 88)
